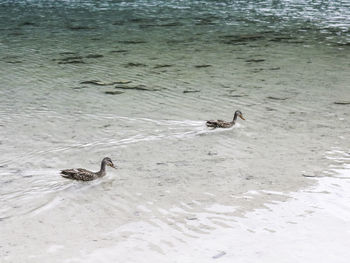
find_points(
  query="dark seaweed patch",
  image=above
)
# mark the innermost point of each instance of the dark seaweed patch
(131, 64)
(275, 98)
(76, 28)
(27, 23)
(190, 91)
(163, 66)
(202, 66)
(280, 39)
(69, 58)
(236, 96)
(14, 62)
(175, 41)
(118, 23)
(72, 62)
(94, 56)
(140, 20)
(240, 40)
(68, 53)
(137, 87)
(343, 44)
(132, 42)
(171, 24)
(255, 60)
(256, 70)
(270, 109)
(119, 51)
(342, 102)
(115, 92)
(205, 22)
(16, 34)
(100, 83)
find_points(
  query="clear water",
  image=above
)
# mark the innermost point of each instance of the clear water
(284, 64)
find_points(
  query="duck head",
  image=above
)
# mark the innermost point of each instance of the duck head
(108, 162)
(238, 113)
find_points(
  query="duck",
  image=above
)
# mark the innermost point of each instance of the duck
(225, 124)
(86, 175)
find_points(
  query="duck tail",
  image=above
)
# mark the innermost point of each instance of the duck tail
(66, 173)
(212, 124)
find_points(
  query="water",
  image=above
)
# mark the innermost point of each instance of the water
(284, 64)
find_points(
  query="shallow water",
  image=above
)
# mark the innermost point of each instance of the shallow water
(174, 64)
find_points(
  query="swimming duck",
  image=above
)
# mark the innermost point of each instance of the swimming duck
(85, 175)
(225, 124)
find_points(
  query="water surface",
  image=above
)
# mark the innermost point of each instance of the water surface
(162, 68)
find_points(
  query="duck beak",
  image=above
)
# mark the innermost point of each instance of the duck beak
(241, 117)
(112, 165)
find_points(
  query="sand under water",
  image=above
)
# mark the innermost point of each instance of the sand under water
(135, 81)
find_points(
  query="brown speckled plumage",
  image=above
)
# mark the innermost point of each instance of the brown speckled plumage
(224, 124)
(85, 175)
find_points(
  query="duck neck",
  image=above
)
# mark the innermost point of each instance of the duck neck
(102, 171)
(235, 117)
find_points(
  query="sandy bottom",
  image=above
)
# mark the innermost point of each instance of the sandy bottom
(312, 225)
